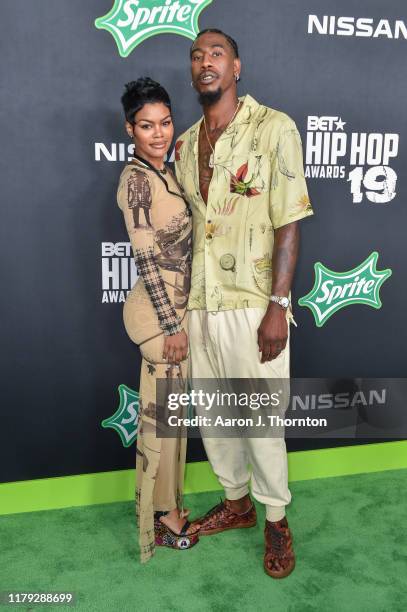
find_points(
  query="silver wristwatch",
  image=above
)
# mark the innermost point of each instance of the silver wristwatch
(284, 302)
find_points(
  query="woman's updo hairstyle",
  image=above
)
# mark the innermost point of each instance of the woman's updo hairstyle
(141, 92)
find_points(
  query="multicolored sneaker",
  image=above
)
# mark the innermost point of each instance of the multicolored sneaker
(279, 558)
(221, 517)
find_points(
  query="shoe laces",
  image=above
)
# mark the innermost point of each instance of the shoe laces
(217, 510)
(277, 538)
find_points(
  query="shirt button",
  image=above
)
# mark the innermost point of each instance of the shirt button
(227, 262)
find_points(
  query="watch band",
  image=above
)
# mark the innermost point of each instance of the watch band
(282, 301)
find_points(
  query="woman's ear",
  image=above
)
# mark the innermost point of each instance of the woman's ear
(129, 129)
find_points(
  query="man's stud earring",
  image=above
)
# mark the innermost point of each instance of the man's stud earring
(237, 77)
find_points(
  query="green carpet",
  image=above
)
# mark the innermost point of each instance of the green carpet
(349, 538)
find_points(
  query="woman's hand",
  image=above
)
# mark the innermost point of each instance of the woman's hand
(175, 347)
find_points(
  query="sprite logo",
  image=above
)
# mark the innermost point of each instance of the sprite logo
(125, 419)
(132, 21)
(335, 290)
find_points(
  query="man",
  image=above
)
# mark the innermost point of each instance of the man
(241, 170)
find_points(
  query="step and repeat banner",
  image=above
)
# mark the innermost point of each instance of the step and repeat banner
(70, 374)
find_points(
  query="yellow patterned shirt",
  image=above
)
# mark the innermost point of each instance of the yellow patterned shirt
(257, 186)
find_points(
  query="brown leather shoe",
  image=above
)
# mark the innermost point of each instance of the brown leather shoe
(221, 517)
(279, 558)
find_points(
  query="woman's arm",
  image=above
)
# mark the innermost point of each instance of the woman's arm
(136, 201)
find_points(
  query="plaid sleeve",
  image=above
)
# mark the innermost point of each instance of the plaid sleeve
(137, 214)
(154, 284)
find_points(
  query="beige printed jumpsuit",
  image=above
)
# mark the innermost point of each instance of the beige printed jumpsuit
(160, 230)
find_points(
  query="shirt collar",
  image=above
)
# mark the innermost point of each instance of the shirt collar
(249, 107)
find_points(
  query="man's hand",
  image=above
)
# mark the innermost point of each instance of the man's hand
(272, 333)
(175, 347)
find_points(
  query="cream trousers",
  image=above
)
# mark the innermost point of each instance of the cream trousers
(224, 345)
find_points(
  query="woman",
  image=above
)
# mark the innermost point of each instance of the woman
(159, 225)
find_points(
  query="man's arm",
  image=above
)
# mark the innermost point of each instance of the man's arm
(273, 330)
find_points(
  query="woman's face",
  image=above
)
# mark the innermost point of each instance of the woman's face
(152, 132)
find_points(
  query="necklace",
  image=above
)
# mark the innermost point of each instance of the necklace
(150, 166)
(212, 156)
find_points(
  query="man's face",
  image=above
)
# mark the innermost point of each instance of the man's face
(213, 65)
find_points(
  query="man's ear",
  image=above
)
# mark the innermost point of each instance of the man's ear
(237, 66)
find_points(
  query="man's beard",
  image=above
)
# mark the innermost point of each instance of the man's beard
(209, 98)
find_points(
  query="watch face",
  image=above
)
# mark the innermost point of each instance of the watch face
(285, 302)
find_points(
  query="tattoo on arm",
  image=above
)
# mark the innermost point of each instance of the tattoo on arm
(285, 252)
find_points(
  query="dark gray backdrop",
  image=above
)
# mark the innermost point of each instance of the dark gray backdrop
(64, 352)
